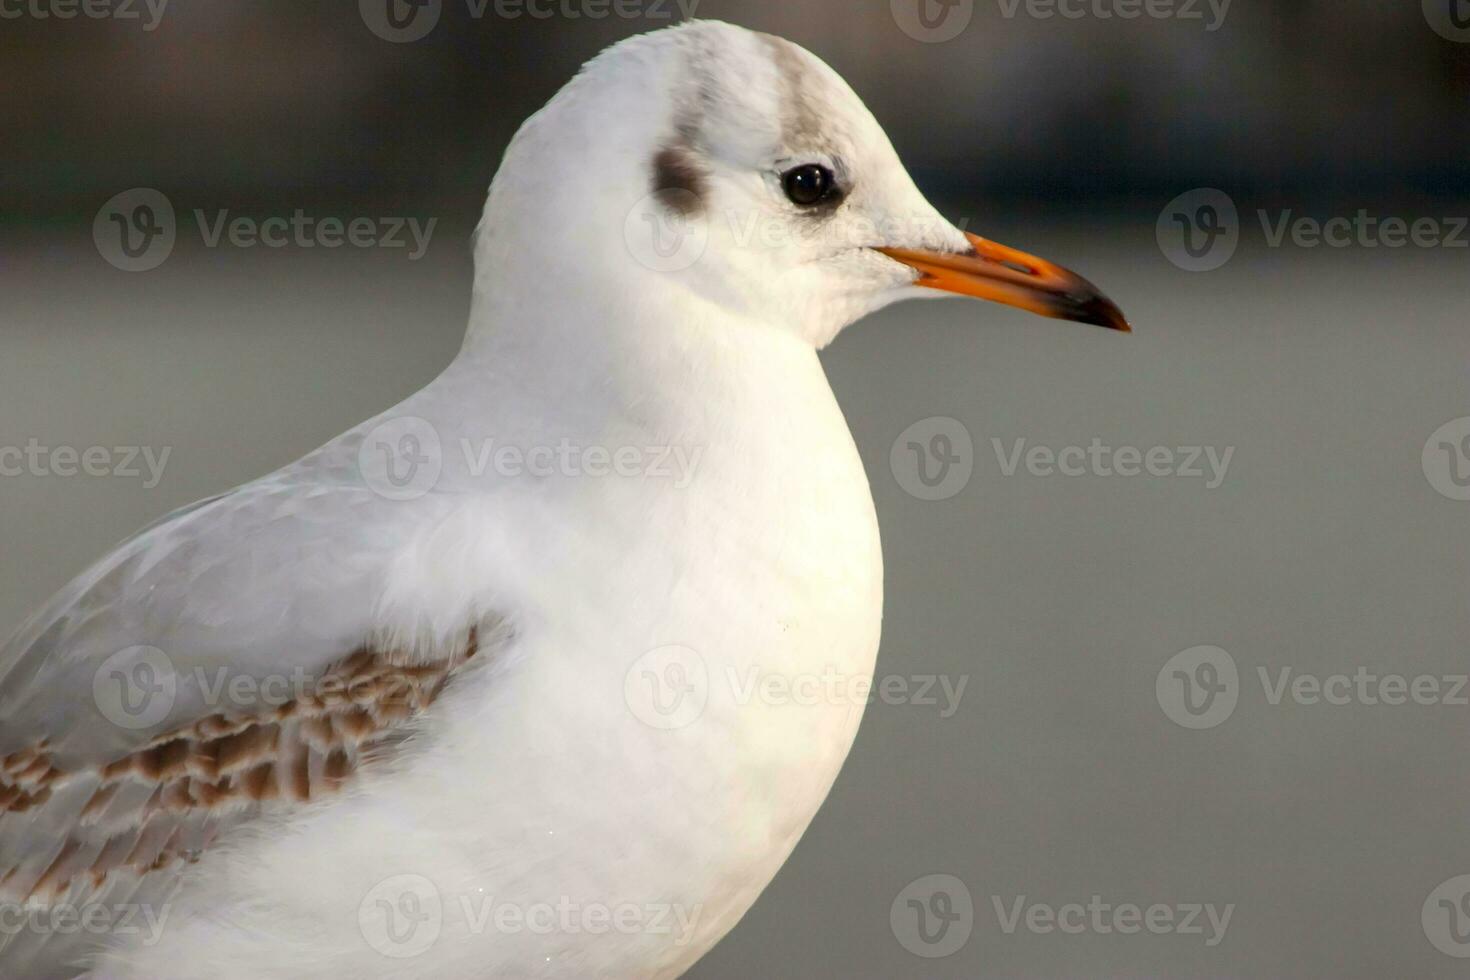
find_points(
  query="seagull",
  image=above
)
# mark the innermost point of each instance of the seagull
(505, 681)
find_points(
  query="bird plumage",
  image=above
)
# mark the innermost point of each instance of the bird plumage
(504, 630)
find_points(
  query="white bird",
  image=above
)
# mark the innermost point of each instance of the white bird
(410, 708)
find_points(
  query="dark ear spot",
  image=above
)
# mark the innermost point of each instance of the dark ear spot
(678, 180)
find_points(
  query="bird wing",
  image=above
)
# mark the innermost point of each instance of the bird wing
(215, 667)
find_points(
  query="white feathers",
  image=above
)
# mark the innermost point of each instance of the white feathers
(537, 777)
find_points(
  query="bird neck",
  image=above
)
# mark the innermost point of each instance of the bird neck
(581, 351)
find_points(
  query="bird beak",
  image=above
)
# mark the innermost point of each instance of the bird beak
(1004, 275)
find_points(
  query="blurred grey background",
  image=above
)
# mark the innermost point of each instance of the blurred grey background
(1336, 542)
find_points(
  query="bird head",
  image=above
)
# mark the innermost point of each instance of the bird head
(735, 168)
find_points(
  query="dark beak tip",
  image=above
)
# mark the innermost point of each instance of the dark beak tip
(1099, 311)
(1114, 320)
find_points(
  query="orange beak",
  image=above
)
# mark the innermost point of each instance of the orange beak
(1004, 275)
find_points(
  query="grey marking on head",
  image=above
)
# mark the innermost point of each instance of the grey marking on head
(679, 177)
(801, 119)
(804, 125)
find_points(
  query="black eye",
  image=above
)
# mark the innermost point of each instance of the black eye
(808, 184)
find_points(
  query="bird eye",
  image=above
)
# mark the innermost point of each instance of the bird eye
(808, 184)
